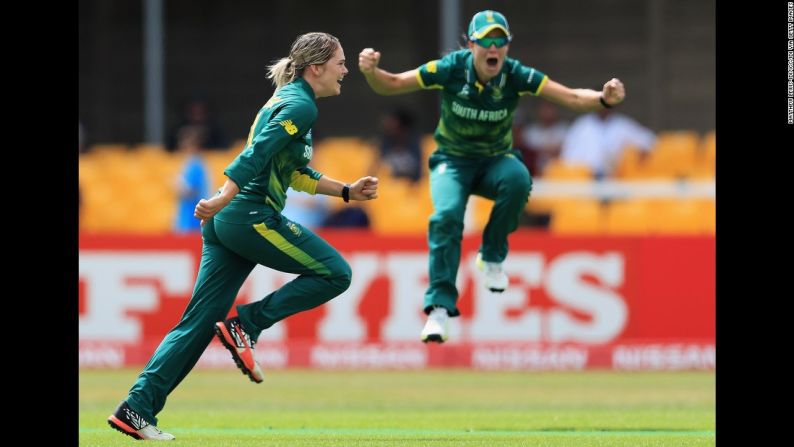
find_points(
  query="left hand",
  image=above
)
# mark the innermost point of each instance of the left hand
(614, 92)
(365, 188)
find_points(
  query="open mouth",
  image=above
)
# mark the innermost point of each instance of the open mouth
(340, 80)
(492, 61)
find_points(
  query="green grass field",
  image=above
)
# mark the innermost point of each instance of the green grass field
(417, 408)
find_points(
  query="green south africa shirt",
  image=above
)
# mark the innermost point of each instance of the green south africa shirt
(477, 120)
(276, 155)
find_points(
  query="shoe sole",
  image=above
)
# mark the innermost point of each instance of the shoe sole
(433, 338)
(116, 423)
(224, 336)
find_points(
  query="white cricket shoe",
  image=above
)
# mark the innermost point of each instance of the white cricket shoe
(495, 278)
(129, 422)
(435, 329)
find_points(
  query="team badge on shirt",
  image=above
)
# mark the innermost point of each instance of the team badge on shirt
(464, 92)
(497, 94)
(289, 127)
(296, 230)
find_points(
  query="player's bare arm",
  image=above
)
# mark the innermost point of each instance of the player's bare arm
(382, 81)
(207, 208)
(582, 99)
(365, 188)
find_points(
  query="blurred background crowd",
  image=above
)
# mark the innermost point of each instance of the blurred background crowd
(168, 89)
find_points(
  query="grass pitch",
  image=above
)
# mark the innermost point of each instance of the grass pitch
(417, 408)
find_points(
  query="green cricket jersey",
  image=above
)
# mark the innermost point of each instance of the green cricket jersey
(477, 120)
(276, 155)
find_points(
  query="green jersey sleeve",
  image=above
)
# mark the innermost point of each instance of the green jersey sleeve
(305, 179)
(434, 74)
(527, 80)
(287, 123)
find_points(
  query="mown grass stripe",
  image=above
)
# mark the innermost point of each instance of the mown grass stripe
(421, 432)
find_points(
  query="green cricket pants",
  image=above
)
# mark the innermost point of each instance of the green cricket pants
(503, 179)
(230, 251)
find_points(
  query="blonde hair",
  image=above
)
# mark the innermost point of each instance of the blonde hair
(308, 49)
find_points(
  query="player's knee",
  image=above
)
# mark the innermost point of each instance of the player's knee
(449, 220)
(516, 189)
(341, 275)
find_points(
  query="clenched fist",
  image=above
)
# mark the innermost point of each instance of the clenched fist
(368, 60)
(614, 92)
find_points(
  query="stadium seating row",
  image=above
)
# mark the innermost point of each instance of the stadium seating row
(132, 190)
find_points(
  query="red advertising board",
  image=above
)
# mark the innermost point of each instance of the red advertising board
(573, 302)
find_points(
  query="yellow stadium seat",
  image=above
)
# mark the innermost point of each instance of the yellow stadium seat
(481, 212)
(158, 217)
(540, 205)
(117, 217)
(629, 164)
(421, 196)
(89, 171)
(397, 210)
(102, 150)
(343, 159)
(578, 216)
(148, 149)
(629, 217)
(708, 215)
(558, 170)
(674, 155)
(676, 216)
(705, 166)
(167, 169)
(216, 162)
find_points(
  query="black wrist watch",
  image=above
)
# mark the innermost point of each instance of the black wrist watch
(346, 193)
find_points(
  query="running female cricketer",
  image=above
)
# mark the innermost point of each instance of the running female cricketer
(480, 87)
(243, 227)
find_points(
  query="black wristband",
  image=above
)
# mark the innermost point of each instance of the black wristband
(346, 193)
(604, 103)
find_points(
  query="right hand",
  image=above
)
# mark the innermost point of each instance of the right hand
(368, 60)
(207, 208)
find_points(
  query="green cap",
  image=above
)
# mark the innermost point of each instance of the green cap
(484, 21)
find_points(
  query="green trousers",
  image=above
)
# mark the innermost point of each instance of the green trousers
(230, 251)
(503, 179)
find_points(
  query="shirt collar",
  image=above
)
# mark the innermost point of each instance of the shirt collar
(305, 86)
(497, 81)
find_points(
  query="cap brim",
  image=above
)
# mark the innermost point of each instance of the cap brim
(485, 30)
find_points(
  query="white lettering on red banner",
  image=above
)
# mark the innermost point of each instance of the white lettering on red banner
(368, 356)
(529, 358)
(664, 357)
(573, 302)
(112, 291)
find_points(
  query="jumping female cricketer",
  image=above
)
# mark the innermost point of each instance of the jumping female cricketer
(243, 227)
(480, 88)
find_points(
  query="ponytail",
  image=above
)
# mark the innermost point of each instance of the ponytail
(282, 72)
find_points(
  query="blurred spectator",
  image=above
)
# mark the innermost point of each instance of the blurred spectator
(598, 139)
(310, 210)
(348, 217)
(400, 148)
(193, 182)
(196, 115)
(541, 141)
